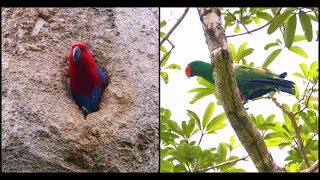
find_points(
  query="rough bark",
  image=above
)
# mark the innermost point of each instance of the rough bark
(229, 93)
(42, 128)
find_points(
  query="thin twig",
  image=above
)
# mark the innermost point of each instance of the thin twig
(277, 13)
(239, 22)
(279, 105)
(222, 164)
(175, 26)
(172, 47)
(307, 102)
(310, 140)
(313, 168)
(296, 131)
(202, 134)
(304, 92)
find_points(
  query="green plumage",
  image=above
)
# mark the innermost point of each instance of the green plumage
(252, 82)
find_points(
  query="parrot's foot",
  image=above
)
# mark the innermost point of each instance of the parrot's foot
(244, 101)
(85, 111)
(244, 107)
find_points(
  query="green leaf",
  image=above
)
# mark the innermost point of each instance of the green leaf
(271, 57)
(164, 152)
(299, 50)
(200, 90)
(232, 169)
(175, 127)
(167, 114)
(217, 122)
(174, 66)
(299, 38)
(277, 21)
(166, 166)
(284, 144)
(275, 135)
(313, 18)
(260, 119)
(165, 77)
(184, 128)
(267, 46)
(165, 58)
(198, 96)
(304, 69)
(195, 131)
(205, 83)
(163, 23)
(237, 29)
(298, 74)
(162, 34)
(247, 52)
(229, 18)
(256, 20)
(270, 118)
(232, 139)
(306, 25)
(314, 65)
(222, 151)
(264, 15)
(163, 49)
(248, 21)
(240, 53)
(278, 41)
(296, 107)
(273, 142)
(296, 90)
(207, 114)
(233, 52)
(194, 116)
(180, 168)
(290, 31)
(190, 127)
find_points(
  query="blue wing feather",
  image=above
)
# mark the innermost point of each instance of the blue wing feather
(89, 104)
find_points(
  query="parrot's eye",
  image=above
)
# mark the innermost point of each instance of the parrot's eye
(76, 54)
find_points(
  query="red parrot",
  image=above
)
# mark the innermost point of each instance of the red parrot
(87, 80)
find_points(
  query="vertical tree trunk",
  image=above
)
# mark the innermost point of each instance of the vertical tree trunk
(229, 93)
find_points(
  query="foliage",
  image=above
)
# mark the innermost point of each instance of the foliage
(166, 55)
(181, 153)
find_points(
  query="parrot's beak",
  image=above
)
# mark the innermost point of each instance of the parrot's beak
(188, 71)
(76, 54)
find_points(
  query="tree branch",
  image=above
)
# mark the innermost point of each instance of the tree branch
(221, 164)
(229, 94)
(239, 21)
(174, 26)
(296, 131)
(305, 90)
(172, 47)
(249, 32)
(313, 168)
(202, 134)
(307, 102)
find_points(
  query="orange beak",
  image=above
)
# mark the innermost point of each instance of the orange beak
(188, 71)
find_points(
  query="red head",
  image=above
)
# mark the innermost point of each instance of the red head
(188, 71)
(82, 69)
(78, 52)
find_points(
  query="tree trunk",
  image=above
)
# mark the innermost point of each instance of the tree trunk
(229, 93)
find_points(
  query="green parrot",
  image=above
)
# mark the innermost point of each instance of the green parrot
(252, 82)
